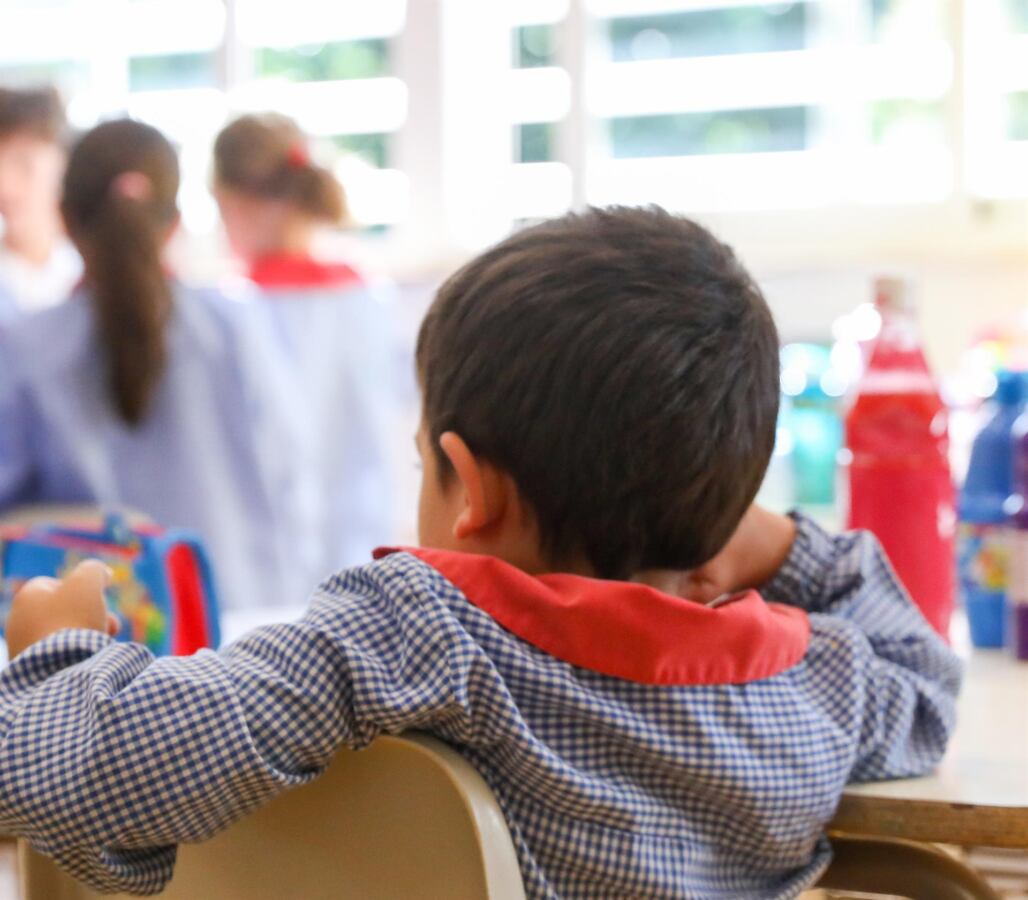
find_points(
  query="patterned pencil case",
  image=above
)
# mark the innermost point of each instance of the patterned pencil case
(162, 589)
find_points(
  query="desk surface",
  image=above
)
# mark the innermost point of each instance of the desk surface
(979, 794)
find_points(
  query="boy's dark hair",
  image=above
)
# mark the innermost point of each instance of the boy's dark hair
(622, 366)
(35, 111)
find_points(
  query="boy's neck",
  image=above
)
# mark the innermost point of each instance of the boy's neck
(524, 555)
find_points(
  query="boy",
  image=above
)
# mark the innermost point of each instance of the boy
(38, 266)
(599, 400)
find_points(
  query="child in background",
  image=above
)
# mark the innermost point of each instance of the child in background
(600, 395)
(144, 392)
(273, 199)
(38, 267)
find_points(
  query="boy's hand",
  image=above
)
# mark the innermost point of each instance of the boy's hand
(751, 557)
(46, 605)
(753, 554)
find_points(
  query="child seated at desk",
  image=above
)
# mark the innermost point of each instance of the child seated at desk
(599, 403)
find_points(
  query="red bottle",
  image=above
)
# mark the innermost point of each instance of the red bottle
(897, 463)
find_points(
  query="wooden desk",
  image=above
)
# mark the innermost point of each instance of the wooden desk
(979, 794)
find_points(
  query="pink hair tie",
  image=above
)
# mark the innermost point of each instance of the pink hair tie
(297, 156)
(132, 186)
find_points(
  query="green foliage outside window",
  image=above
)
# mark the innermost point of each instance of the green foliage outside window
(535, 46)
(728, 131)
(710, 32)
(373, 148)
(534, 142)
(173, 70)
(334, 61)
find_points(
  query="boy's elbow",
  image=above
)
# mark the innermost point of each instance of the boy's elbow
(936, 712)
(917, 743)
(935, 727)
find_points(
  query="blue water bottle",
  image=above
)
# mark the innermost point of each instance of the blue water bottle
(983, 552)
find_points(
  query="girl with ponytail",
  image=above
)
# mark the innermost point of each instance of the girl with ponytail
(119, 207)
(274, 199)
(144, 392)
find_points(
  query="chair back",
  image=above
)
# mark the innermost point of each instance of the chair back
(901, 868)
(406, 817)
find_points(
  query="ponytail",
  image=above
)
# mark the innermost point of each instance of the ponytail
(119, 203)
(266, 157)
(318, 193)
(132, 303)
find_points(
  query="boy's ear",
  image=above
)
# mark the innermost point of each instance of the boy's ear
(483, 486)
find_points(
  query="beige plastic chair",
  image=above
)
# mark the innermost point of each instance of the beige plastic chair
(901, 868)
(407, 817)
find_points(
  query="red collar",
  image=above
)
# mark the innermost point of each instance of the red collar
(283, 271)
(629, 630)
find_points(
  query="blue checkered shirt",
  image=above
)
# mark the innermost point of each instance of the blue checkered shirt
(110, 757)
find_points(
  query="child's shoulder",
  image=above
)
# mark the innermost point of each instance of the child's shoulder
(395, 580)
(220, 317)
(396, 605)
(48, 339)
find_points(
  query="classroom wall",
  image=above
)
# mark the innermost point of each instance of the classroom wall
(956, 301)
(968, 260)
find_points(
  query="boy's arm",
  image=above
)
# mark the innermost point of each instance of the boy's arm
(109, 757)
(906, 678)
(760, 545)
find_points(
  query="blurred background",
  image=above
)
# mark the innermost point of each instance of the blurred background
(867, 159)
(829, 141)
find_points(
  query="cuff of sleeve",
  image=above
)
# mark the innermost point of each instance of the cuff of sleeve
(802, 578)
(55, 652)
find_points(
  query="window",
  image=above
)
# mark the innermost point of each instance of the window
(535, 45)
(370, 149)
(173, 71)
(996, 120)
(1017, 116)
(69, 76)
(332, 61)
(769, 101)
(708, 32)
(330, 66)
(455, 119)
(188, 65)
(691, 134)
(539, 180)
(535, 142)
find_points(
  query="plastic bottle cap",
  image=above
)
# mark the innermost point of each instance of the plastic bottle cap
(1010, 388)
(893, 294)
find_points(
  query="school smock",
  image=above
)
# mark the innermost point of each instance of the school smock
(34, 287)
(336, 333)
(638, 744)
(9, 309)
(220, 450)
